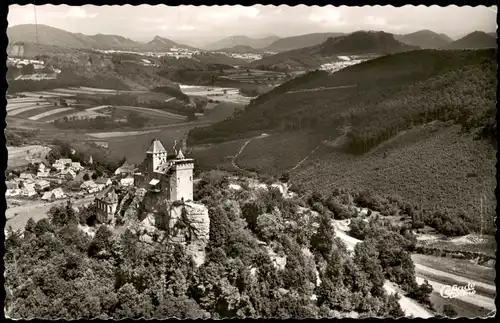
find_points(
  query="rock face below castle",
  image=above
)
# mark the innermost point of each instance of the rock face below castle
(185, 223)
(189, 224)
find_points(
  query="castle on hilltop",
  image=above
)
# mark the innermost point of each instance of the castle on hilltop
(171, 176)
(168, 175)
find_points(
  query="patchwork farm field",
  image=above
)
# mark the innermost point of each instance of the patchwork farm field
(253, 75)
(40, 106)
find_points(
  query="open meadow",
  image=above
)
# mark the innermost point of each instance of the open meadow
(21, 156)
(218, 156)
(277, 153)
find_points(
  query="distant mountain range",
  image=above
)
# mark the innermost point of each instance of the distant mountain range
(357, 43)
(241, 49)
(474, 40)
(296, 42)
(426, 39)
(364, 42)
(46, 35)
(240, 40)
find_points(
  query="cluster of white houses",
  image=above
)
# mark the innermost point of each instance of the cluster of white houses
(30, 185)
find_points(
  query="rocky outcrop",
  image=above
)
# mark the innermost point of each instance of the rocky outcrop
(184, 223)
(134, 210)
(189, 222)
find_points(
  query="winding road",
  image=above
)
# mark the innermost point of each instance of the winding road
(233, 160)
(408, 305)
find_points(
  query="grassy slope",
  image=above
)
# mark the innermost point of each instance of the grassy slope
(433, 165)
(277, 153)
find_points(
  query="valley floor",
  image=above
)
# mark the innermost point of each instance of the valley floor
(18, 216)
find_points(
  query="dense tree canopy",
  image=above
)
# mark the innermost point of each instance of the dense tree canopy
(55, 270)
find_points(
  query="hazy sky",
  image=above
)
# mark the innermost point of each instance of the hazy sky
(186, 22)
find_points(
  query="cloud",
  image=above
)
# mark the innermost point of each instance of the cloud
(375, 21)
(226, 14)
(79, 13)
(186, 27)
(152, 20)
(326, 16)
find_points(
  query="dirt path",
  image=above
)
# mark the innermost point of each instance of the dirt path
(409, 306)
(323, 89)
(304, 159)
(240, 151)
(18, 216)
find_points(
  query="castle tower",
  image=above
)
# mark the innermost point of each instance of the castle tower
(156, 156)
(181, 181)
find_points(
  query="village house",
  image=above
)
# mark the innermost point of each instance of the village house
(42, 171)
(28, 190)
(48, 196)
(91, 187)
(106, 204)
(68, 174)
(42, 185)
(59, 193)
(104, 181)
(76, 166)
(13, 192)
(62, 163)
(125, 170)
(128, 181)
(53, 195)
(26, 177)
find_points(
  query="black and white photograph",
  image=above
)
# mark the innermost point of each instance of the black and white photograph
(265, 161)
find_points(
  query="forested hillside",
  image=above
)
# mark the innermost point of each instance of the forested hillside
(56, 270)
(425, 39)
(388, 94)
(411, 120)
(477, 39)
